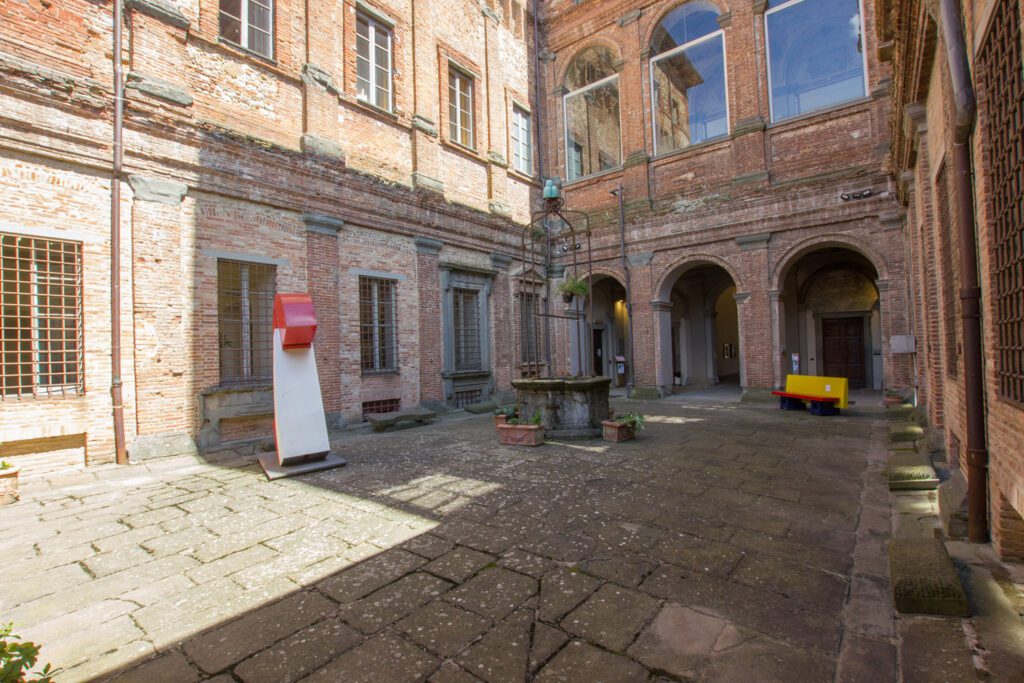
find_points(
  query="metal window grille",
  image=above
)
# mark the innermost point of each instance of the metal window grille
(245, 306)
(528, 328)
(999, 68)
(373, 62)
(466, 314)
(249, 24)
(460, 107)
(465, 398)
(41, 327)
(378, 324)
(521, 153)
(387, 405)
(946, 229)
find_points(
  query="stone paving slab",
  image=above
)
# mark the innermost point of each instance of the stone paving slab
(729, 542)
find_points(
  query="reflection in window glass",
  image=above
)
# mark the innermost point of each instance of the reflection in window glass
(815, 55)
(688, 78)
(592, 128)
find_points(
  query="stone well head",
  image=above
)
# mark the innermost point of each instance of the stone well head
(569, 407)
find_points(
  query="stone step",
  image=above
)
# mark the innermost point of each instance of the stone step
(900, 432)
(924, 580)
(908, 470)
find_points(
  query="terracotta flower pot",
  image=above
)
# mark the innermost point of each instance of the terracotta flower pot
(500, 420)
(521, 435)
(616, 431)
(9, 485)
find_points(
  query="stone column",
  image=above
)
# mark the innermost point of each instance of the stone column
(777, 310)
(322, 272)
(745, 344)
(662, 313)
(428, 275)
(504, 334)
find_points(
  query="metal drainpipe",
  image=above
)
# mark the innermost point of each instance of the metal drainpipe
(970, 293)
(538, 104)
(115, 242)
(629, 288)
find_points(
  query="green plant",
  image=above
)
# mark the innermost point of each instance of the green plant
(4, 465)
(16, 658)
(507, 411)
(573, 286)
(536, 419)
(634, 421)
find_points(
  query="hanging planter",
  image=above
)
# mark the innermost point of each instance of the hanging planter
(8, 483)
(622, 428)
(573, 287)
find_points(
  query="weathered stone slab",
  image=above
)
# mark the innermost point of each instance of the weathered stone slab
(581, 662)
(924, 580)
(908, 471)
(443, 628)
(370, 575)
(459, 564)
(611, 617)
(561, 591)
(679, 641)
(494, 593)
(299, 654)
(502, 655)
(386, 657)
(173, 666)
(393, 602)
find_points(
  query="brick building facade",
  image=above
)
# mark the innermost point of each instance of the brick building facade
(925, 122)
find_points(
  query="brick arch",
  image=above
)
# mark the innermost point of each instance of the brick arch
(676, 269)
(662, 9)
(811, 244)
(609, 273)
(594, 41)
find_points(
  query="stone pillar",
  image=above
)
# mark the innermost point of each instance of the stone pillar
(428, 275)
(746, 345)
(322, 266)
(504, 334)
(748, 99)
(662, 312)
(644, 337)
(777, 310)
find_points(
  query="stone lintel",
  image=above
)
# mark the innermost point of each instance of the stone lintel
(160, 10)
(640, 260)
(159, 88)
(311, 143)
(753, 242)
(322, 223)
(421, 181)
(157, 190)
(426, 245)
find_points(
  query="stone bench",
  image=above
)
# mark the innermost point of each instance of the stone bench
(381, 421)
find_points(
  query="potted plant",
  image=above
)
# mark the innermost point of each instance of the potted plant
(503, 413)
(516, 433)
(8, 483)
(573, 286)
(18, 658)
(623, 427)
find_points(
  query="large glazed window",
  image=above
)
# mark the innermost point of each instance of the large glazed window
(593, 140)
(373, 62)
(815, 55)
(688, 78)
(249, 24)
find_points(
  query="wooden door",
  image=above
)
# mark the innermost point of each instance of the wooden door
(843, 350)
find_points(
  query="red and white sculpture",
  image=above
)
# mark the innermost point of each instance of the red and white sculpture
(300, 427)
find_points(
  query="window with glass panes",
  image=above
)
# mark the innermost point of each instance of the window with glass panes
(466, 328)
(41, 324)
(249, 24)
(521, 153)
(245, 312)
(460, 107)
(373, 62)
(378, 325)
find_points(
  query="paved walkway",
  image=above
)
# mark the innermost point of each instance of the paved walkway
(731, 542)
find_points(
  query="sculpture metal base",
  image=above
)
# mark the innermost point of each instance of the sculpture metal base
(274, 470)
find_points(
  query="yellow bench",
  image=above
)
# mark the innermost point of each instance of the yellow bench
(827, 395)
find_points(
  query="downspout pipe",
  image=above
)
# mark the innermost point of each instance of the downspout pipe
(965, 106)
(538, 121)
(116, 394)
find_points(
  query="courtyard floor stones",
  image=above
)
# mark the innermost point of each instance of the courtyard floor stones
(730, 542)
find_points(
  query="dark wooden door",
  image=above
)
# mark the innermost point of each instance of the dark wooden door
(843, 349)
(598, 346)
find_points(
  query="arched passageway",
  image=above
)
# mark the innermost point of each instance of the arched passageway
(831, 310)
(608, 349)
(699, 329)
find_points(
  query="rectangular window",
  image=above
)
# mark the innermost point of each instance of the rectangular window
(529, 330)
(815, 55)
(1002, 87)
(41, 327)
(466, 314)
(592, 128)
(249, 24)
(521, 137)
(460, 107)
(245, 312)
(688, 86)
(373, 62)
(378, 326)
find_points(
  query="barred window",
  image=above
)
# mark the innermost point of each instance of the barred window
(529, 331)
(999, 68)
(373, 62)
(245, 316)
(460, 107)
(381, 406)
(378, 326)
(466, 313)
(41, 327)
(249, 24)
(950, 279)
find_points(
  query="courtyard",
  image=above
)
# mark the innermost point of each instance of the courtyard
(731, 541)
